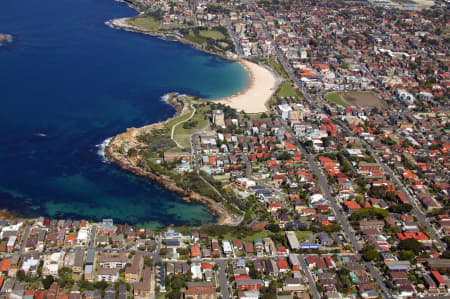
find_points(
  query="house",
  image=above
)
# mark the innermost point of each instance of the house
(195, 251)
(259, 246)
(351, 206)
(282, 265)
(368, 224)
(227, 249)
(237, 244)
(200, 290)
(294, 262)
(249, 284)
(293, 285)
(249, 248)
(215, 249)
(248, 295)
(324, 239)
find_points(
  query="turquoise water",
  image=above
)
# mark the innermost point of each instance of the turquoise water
(67, 83)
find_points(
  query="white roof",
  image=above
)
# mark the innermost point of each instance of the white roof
(82, 235)
(226, 246)
(28, 263)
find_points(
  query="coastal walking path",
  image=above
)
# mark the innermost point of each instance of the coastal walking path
(183, 121)
(235, 219)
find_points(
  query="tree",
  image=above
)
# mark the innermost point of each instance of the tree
(274, 228)
(406, 255)
(370, 253)
(284, 156)
(47, 281)
(21, 275)
(402, 208)
(410, 244)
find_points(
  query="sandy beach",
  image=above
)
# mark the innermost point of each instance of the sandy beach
(263, 83)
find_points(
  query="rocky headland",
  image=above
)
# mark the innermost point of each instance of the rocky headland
(117, 151)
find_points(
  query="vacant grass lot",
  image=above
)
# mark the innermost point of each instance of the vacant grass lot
(336, 98)
(214, 34)
(362, 98)
(354, 98)
(146, 22)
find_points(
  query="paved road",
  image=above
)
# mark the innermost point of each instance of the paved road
(248, 167)
(311, 282)
(235, 39)
(92, 236)
(223, 279)
(24, 238)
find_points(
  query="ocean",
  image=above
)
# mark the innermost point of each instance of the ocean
(67, 83)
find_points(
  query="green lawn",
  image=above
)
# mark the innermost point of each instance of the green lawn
(303, 235)
(199, 123)
(214, 34)
(287, 90)
(146, 22)
(278, 67)
(336, 98)
(177, 119)
(194, 38)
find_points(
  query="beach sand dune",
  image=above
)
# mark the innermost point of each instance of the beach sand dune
(263, 83)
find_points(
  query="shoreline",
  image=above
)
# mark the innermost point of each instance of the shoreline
(115, 153)
(120, 24)
(263, 83)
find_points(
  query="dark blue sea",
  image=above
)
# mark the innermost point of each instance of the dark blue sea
(67, 83)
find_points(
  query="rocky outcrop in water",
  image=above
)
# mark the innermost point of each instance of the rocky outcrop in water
(5, 38)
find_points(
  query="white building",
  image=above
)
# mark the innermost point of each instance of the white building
(30, 265)
(83, 236)
(52, 263)
(284, 110)
(227, 249)
(196, 270)
(14, 227)
(108, 274)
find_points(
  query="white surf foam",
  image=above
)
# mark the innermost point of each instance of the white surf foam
(101, 149)
(165, 98)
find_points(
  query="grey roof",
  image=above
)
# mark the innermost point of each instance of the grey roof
(90, 256)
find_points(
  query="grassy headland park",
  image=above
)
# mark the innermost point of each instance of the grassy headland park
(155, 151)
